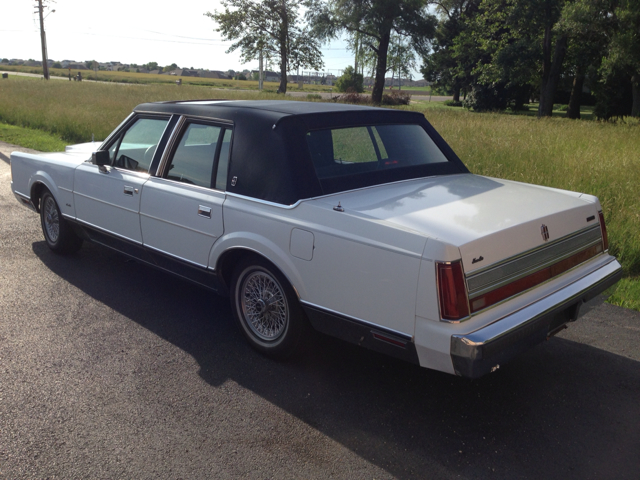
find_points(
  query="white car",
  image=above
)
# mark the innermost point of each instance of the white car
(360, 222)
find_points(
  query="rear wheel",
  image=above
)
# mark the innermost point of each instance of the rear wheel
(266, 309)
(58, 234)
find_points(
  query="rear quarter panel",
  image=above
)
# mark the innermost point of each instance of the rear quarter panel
(359, 267)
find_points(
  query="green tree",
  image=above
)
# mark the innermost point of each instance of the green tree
(588, 24)
(270, 28)
(401, 59)
(375, 20)
(442, 67)
(350, 80)
(623, 52)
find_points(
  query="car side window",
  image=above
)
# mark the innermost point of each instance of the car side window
(194, 157)
(137, 146)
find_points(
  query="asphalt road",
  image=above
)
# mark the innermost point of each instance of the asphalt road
(109, 369)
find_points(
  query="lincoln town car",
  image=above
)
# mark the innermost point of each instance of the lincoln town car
(356, 222)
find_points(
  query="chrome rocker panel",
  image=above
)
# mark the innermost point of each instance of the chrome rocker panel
(475, 354)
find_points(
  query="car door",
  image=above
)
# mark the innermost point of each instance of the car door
(107, 198)
(181, 208)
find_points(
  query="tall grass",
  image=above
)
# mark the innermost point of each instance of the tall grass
(595, 158)
(75, 111)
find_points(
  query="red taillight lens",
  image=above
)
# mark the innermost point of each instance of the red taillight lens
(454, 304)
(603, 227)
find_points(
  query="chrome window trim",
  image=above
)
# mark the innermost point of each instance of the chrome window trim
(265, 202)
(177, 131)
(590, 236)
(206, 190)
(169, 147)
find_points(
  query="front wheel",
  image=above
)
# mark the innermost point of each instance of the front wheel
(266, 309)
(58, 234)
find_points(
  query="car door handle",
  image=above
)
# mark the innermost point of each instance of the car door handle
(128, 191)
(204, 211)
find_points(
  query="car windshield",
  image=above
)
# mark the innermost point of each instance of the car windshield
(354, 150)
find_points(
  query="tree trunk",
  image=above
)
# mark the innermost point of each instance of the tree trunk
(576, 94)
(283, 73)
(549, 90)
(635, 89)
(546, 65)
(381, 67)
(456, 93)
(284, 48)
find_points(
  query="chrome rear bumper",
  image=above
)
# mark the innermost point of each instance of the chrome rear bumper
(480, 352)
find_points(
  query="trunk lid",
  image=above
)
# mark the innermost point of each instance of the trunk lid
(489, 220)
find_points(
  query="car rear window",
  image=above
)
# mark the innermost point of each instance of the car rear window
(354, 150)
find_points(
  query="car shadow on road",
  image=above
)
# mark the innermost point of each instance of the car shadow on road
(562, 410)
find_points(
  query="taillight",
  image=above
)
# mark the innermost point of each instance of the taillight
(454, 303)
(603, 228)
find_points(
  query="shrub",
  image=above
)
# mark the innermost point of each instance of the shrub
(350, 80)
(453, 103)
(396, 97)
(352, 97)
(314, 96)
(486, 98)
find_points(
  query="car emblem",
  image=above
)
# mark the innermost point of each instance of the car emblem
(545, 232)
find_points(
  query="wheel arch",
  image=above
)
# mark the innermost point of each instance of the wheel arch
(233, 256)
(39, 182)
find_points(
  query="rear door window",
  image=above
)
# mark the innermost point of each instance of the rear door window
(194, 158)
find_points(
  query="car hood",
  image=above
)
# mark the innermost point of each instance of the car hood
(482, 216)
(83, 148)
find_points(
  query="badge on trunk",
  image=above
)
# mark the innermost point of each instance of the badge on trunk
(545, 232)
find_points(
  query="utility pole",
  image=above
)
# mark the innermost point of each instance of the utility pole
(260, 72)
(357, 40)
(43, 40)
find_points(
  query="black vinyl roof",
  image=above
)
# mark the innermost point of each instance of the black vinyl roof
(270, 159)
(232, 110)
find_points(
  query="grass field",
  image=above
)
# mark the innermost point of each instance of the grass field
(592, 157)
(147, 78)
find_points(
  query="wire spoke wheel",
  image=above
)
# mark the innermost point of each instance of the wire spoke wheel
(59, 236)
(267, 310)
(51, 219)
(264, 305)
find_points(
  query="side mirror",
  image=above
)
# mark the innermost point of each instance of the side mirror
(101, 157)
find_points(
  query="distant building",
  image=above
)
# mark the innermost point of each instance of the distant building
(214, 74)
(267, 75)
(77, 66)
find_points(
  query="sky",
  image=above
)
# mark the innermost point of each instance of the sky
(130, 31)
